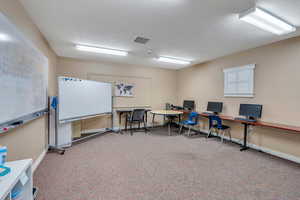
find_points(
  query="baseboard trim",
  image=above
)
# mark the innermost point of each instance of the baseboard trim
(259, 148)
(38, 161)
(91, 136)
(239, 141)
(276, 153)
(92, 131)
(117, 128)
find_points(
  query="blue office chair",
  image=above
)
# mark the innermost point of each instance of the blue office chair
(192, 121)
(215, 124)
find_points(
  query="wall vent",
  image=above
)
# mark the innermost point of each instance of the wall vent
(141, 40)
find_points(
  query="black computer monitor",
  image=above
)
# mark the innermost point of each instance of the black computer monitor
(252, 111)
(215, 107)
(188, 104)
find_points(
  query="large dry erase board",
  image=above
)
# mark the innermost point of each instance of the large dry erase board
(83, 98)
(23, 75)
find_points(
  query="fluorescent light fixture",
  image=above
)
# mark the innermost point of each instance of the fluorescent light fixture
(101, 50)
(4, 37)
(266, 21)
(174, 60)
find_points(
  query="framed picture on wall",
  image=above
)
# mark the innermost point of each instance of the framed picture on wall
(124, 89)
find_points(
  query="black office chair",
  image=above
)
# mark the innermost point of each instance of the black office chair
(171, 118)
(137, 116)
(168, 106)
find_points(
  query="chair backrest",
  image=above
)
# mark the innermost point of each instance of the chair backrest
(215, 120)
(194, 116)
(138, 115)
(168, 106)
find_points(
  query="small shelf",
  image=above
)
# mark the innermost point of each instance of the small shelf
(7, 197)
(19, 179)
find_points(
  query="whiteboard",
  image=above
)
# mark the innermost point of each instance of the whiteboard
(83, 98)
(23, 75)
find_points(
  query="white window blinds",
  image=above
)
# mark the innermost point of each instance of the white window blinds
(239, 81)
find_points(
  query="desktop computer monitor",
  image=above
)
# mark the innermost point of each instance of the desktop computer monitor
(251, 111)
(215, 107)
(188, 104)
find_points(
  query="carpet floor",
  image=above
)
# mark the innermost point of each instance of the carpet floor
(160, 167)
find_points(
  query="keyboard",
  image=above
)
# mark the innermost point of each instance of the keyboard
(208, 113)
(244, 119)
(178, 107)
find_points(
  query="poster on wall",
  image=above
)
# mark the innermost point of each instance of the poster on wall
(124, 89)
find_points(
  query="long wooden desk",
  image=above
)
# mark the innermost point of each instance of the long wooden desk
(260, 123)
(246, 124)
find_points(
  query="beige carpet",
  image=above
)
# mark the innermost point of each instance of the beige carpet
(159, 167)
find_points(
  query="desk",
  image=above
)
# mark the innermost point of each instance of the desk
(257, 123)
(127, 112)
(166, 113)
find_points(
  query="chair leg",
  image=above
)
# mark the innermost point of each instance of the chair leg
(131, 131)
(189, 133)
(229, 133)
(223, 135)
(145, 127)
(209, 133)
(126, 123)
(180, 129)
(139, 125)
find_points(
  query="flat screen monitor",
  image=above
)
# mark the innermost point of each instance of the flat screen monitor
(215, 107)
(251, 110)
(189, 104)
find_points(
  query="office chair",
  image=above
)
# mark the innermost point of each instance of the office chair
(192, 121)
(137, 116)
(171, 118)
(168, 106)
(215, 123)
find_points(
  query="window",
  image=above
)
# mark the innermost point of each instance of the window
(239, 81)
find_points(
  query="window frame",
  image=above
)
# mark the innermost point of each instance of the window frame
(233, 91)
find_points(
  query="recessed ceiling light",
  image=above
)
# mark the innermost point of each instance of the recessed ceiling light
(266, 21)
(174, 60)
(4, 37)
(101, 50)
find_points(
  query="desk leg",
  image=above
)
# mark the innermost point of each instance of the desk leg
(180, 118)
(120, 117)
(126, 122)
(146, 121)
(245, 147)
(153, 115)
(169, 125)
(146, 117)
